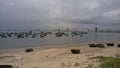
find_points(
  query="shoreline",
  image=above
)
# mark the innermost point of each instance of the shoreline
(57, 57)
(57, 46)
(43, 47)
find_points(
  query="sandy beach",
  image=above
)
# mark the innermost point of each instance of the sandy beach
(57, 57)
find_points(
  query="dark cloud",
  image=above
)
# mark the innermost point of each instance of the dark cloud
(53, 12)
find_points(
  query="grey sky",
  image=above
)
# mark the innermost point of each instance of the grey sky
(32, 14)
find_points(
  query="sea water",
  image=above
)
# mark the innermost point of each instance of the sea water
(13, 42)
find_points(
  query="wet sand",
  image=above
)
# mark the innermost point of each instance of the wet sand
(57, 57)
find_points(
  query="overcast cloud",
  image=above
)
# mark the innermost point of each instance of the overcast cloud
(32, 14)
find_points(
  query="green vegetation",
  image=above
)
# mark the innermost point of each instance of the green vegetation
(110, 62)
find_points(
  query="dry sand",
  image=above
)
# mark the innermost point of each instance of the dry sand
(57, 57)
